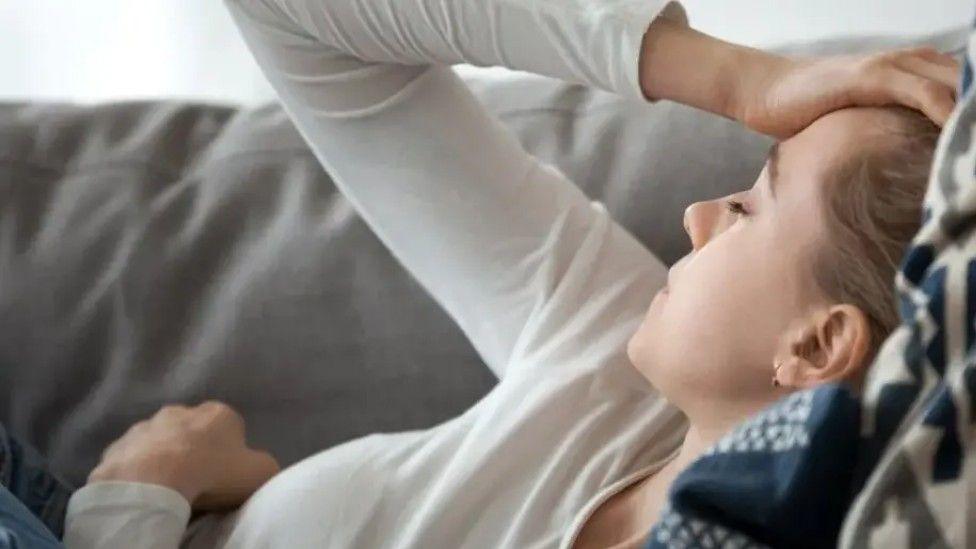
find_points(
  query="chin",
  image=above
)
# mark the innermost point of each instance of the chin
(631, 351)
(638, 355)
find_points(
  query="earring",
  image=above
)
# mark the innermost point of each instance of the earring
(776, 382)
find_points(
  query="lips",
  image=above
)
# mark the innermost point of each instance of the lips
(661, 293)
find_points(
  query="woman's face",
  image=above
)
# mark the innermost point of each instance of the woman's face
(709, 337)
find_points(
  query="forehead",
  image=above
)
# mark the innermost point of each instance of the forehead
(837, 135)
(802, 163)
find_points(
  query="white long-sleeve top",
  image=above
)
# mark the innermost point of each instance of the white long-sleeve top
(548, 287)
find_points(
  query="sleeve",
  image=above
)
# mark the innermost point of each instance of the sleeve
(125, 515)
(488, 230)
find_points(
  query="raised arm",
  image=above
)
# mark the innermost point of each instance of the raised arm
(487, 229)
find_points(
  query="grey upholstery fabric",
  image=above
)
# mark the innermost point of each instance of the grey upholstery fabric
(153, 252)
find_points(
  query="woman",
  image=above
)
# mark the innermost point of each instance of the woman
(573, 448)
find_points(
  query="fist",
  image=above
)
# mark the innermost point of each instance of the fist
(199, 451)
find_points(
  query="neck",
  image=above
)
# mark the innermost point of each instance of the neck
(652, 490)
(697, 440)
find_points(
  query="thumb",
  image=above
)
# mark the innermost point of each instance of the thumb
(257, 468)
(239, 476)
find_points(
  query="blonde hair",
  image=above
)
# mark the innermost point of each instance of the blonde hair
(873, 209)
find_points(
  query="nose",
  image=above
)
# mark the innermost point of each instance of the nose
(700, 221)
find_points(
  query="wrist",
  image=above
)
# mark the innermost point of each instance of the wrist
(754, 73)
(681, 64)
(157, 470)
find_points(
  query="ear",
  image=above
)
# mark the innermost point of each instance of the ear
(831, 345)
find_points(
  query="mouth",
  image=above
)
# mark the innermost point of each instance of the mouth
(661, 293)
(665, 290)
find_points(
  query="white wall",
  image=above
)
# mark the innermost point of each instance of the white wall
(758, 22)
(92, 50)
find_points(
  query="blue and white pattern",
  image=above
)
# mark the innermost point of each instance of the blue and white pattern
(680, 532)
(778, 429)
(895, 466)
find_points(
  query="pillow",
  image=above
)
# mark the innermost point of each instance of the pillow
(164, 251)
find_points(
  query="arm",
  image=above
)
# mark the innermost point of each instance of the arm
(780, 96)
(487, 229)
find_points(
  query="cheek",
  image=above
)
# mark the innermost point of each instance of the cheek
(685, 335)
(703, 320)
(712, 333)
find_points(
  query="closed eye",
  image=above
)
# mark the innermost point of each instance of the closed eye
(736, 207)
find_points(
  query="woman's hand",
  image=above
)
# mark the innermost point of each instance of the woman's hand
(793, 93)
(780, 96)
(200, 452)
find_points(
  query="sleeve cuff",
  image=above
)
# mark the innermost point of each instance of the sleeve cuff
(636, 26)
(106, 514)
(117, 493)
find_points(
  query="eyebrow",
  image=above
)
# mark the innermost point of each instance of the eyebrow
(773, 163)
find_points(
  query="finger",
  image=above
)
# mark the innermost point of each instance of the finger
(932, 98)
(266, 464)
(938, 57)
(223, 415)
(171, 411)
(239, 479)
(110, 449)
(252, 469)
(944, 74)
